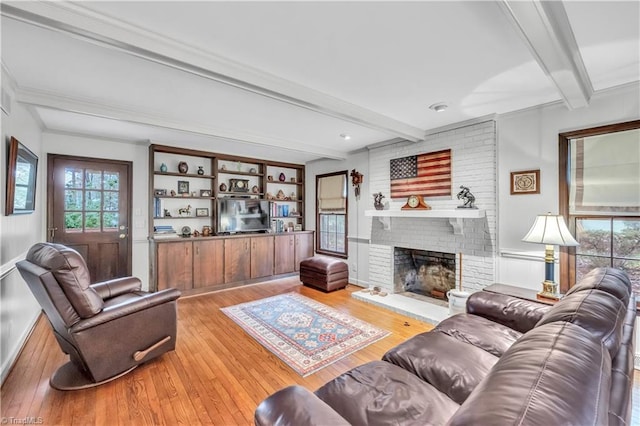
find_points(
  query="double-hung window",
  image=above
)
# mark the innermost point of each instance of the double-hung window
(600, 196)
(331, 214)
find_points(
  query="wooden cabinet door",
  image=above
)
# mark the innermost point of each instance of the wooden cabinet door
(174, 265)
(284, 254)
(261, 256)
(237, 257)
(304, 248)
(208, 263)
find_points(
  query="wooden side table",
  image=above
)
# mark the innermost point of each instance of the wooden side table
(519, 292)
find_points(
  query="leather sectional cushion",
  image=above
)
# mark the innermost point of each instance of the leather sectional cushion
(601, 313)
(480, 332)
(622, 363)
(607, 280)
(519, 314)
(380, 393)
(557, 374)
(298, 406)
(450, 365)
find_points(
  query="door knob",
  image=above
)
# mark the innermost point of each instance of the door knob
(122, 236)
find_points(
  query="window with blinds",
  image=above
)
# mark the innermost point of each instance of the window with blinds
(331, 214)
(602, 203)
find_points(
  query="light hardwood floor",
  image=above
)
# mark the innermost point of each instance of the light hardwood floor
(217, 375)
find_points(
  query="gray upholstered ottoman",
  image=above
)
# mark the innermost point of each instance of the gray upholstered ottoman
(324, 273)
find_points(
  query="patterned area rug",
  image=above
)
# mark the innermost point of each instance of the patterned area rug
(305, 334)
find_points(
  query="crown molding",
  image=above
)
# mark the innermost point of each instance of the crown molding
(48, 99)
(8, 80)
(545, 28)
(82, 22)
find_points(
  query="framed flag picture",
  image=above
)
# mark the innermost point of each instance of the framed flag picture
(427, 174)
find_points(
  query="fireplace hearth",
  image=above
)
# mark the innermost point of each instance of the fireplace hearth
(424, 272)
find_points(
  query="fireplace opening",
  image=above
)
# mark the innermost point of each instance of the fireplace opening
(428, 273)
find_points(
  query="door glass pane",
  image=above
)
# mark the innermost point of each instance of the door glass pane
(73, 221)
(626, 238)
(93, 200)
(594, 236)
(110, 221)
(111, 181)
(73, 178)
(111, 201)
(93, 179)
(340, 224)
(92, 221)
(72, 199)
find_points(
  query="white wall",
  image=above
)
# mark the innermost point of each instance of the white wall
(18, 308)
(529, 140)
(359, 227)
(116, 150)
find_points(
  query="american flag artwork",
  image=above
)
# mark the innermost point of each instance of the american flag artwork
(427, 174)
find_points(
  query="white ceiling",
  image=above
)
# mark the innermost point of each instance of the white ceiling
(283, 80)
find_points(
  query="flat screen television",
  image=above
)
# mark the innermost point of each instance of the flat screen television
(243, 215)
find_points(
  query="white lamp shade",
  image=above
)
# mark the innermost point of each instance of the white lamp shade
(550, 229)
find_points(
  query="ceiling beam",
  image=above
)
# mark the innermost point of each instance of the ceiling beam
(545, 28)
(62, 102)
(82, 22)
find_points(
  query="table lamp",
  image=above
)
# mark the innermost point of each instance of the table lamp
(549, 230)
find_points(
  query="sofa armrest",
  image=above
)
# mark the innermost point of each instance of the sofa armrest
(295, 405)
(144, 301)
(116, 287)
(518, 314)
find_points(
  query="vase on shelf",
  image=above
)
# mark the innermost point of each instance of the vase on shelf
(163, 168)
(200, 170)
(183, 167)
(282, 177)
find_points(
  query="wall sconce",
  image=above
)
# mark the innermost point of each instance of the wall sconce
(356, 179)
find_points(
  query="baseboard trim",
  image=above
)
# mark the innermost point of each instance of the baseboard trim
(10, 266)
(17, 350)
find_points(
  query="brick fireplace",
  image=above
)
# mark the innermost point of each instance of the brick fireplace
(473, 154)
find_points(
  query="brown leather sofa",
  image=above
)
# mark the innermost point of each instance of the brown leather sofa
(506, 361)
(107, 328)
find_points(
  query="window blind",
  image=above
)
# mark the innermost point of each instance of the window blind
(332, 194)
(605, 174)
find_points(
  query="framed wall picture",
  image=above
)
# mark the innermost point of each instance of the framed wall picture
(525, 182)
(183, 187)
(200, 212)
(22, 165)
(160, 192)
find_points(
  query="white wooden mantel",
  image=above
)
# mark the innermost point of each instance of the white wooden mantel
(455, 216)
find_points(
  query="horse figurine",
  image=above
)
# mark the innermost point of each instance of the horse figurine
(468, 198)
(185, 211)
(377, 201)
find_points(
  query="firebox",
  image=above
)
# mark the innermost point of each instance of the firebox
(429, 273)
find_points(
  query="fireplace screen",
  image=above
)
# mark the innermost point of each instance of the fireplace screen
(424, 272)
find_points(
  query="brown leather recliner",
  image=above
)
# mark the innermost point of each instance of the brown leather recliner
(107, 328)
